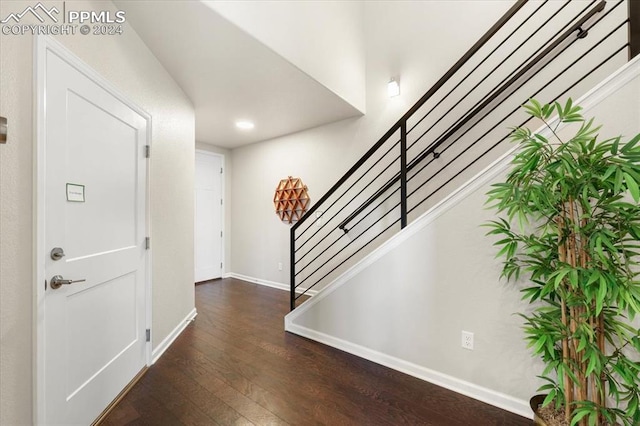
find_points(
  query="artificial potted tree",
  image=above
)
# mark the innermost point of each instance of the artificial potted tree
(570, 229)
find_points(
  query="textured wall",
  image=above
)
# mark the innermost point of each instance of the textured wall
(16, 269)
(127, 63)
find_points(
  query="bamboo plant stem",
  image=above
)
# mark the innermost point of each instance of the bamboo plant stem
(568, 387)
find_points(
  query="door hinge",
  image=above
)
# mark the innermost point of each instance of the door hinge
(147, 151)
(220, 265)
(148, 335)
(221, 169)
(221, 201)
(220, 234)
(147, 243)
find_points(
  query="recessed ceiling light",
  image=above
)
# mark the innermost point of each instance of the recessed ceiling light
(244, 125)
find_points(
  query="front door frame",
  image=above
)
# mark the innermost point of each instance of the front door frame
(43, 44)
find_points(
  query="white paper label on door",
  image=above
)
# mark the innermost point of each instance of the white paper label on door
(75, 193)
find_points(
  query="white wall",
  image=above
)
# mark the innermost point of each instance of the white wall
(324, 39)
(127, 63)
(402, 38)
(407, 308)
(259, 240)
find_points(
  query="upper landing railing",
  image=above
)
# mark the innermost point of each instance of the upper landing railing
(544, 49)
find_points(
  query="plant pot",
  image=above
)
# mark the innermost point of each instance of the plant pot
(534, 403)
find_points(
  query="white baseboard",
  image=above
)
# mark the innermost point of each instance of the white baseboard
(273, 284)
(164, 345)
(471, 390)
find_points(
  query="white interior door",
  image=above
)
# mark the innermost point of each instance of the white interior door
(95, 211)
(208, 220)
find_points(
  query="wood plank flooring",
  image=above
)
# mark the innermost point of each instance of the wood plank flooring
(234, 365)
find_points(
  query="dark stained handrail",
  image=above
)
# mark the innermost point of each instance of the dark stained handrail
(463, 60)
(437, 145)
(431, 150)
(634, 28)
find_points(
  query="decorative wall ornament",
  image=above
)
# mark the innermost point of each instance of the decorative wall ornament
(291, 199)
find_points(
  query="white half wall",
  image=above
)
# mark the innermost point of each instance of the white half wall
(406, 304)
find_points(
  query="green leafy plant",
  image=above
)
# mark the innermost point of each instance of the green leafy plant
(571, 226)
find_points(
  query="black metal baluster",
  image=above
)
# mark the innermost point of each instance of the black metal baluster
(403, 174)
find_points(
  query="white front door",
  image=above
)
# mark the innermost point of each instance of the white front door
(208, 220)
(93, 166)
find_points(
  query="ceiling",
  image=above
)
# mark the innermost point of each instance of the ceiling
(229, 75)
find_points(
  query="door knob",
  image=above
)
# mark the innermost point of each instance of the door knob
(57, 281)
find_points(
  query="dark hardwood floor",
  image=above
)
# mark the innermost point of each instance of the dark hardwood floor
(236, 365)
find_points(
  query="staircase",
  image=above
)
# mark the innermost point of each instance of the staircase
(547, 50)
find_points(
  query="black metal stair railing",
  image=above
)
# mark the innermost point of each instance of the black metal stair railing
(458, 125)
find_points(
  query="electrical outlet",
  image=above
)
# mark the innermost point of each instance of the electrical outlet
(279, 266)
(467, 340)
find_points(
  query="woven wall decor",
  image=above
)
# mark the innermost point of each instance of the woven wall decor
(291, 199)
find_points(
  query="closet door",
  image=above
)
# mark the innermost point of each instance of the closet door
(208, 216)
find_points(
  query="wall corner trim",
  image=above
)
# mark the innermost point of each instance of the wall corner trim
(167, 341)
